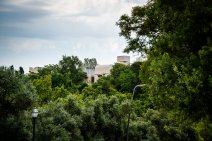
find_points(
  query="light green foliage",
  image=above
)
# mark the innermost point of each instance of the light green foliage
(44, 88)
(103, 118)
(90, 91)
(57, 81)
(46, 92)
(68, 74)
(59, 92)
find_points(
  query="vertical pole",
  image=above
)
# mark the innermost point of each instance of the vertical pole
(128, 122)
(33, 132)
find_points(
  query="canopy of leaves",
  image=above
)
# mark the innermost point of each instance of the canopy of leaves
(67, 74)
(124, 77)
(176, 36)
(16, 95)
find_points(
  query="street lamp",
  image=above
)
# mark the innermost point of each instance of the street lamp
(34, 116)
(130, 106)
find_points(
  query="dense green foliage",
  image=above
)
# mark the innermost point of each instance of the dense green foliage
(176, 38)
(173, 105)
(123, 78)
(16, 95)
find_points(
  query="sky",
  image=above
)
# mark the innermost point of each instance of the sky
(39, 32)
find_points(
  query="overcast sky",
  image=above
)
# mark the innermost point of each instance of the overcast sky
(38, 32)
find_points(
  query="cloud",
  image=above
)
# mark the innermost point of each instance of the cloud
(90, 12)
(12, 12)
(53, 18)
(81, 7)
(36, 30)
(19, 45)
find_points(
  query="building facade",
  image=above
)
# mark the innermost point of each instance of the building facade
(34, 69)
(104, 70)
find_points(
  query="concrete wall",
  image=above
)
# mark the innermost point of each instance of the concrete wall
(34, 69)
(123, 59)
(102, 70)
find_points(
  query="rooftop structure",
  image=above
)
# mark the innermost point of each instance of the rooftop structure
(34, 69)
(104, 70)
(123, 60)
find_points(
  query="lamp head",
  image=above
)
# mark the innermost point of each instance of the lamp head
(34, 113)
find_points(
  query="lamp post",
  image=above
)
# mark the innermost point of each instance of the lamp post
(128, 122)
(34, 116)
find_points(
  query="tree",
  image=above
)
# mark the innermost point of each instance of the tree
(68, 74)
(123, 78)
(16, 92)
(168, 128)
(118, 69)
(21, 70)
(90, 63)
(127, 81)
(136, 68)
(176, 36)
(49, 70)
(57, 124)
(16, 95)
(44, 89)
(71, 67)
(70, 64)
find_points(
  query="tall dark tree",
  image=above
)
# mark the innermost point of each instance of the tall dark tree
(176, 36)
(16, 95)
(21, 70)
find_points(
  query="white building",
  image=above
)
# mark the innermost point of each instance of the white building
(123, 60)
(102, 70)
(34, 69)
(90, 74)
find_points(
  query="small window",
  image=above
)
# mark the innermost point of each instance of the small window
(92, 79)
